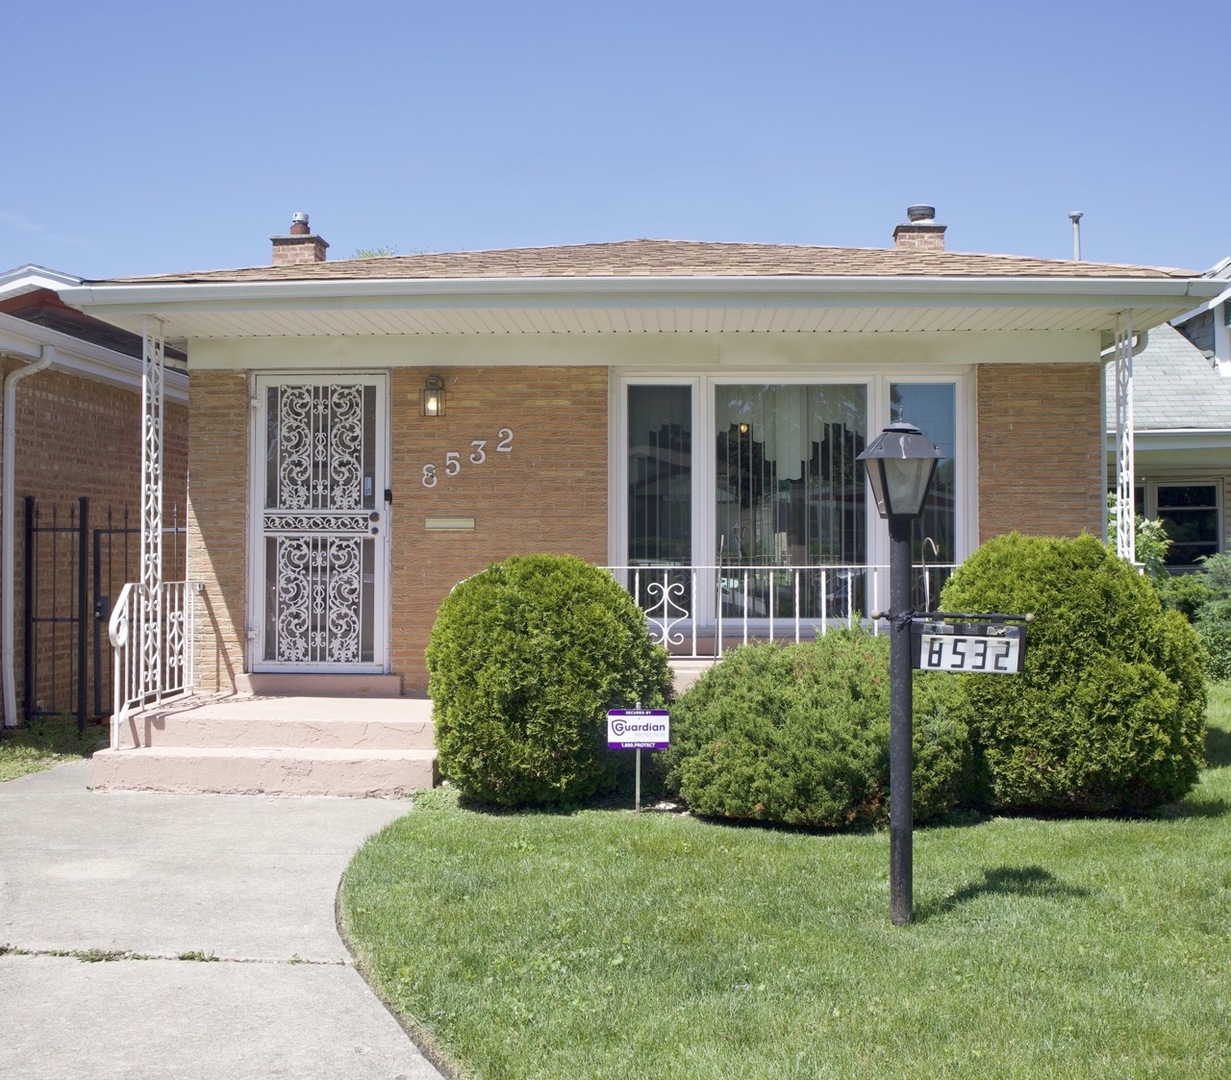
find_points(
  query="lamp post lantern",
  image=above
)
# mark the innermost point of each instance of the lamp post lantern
(900, 463)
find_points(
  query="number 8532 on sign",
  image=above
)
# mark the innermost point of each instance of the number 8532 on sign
(996, 650)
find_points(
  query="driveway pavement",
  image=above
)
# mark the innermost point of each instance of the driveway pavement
(242, 886)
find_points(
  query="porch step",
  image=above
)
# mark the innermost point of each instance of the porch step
(308, 723)
(266, 770)
(275, 745)
(686, 672)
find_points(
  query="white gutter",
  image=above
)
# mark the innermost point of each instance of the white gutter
(76, 356)
(254, 295)
(46, 354)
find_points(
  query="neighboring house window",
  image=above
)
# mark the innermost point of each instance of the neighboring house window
(1191, 513)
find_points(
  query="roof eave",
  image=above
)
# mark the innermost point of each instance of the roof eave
(152, 298)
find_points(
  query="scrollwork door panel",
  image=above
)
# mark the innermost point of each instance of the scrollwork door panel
(322, 524)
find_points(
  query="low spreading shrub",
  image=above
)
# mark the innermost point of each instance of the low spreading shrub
(524, 660)
(799, 735)
(1108, 713)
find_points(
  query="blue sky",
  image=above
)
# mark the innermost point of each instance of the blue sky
(148, 137)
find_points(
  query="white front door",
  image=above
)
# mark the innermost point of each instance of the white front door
(321, 532)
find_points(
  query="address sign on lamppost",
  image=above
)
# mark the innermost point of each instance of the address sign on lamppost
(900, 464)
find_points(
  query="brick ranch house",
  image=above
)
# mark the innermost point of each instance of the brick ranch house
(656, 406)
(73, 410)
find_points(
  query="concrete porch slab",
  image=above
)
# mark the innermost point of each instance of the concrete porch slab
(389, 774)
(308, 722)
(302, 745)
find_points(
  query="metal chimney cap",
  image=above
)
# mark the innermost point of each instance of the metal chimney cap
(1075, 216)
(299, 218)
(920, 213)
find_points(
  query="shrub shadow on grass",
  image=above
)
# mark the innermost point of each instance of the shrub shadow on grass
(1217, 747)
(1023, 881)
(490, 809)
(1192, 807)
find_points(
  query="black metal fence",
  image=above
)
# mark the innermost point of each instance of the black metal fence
(74, 569)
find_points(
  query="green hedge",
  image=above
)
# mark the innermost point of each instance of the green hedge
(799, 735)
(1108, 714)
(525, 659)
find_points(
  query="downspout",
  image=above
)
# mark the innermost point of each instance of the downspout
(46, 356)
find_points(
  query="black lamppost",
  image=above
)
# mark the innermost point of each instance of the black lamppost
(900, 463)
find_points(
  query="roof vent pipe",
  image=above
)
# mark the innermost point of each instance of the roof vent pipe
(1075, 218)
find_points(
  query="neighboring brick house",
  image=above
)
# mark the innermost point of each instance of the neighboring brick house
(641, 404)
(77, 435)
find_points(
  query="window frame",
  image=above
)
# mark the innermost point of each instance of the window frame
(704, 465)
(1149, 488)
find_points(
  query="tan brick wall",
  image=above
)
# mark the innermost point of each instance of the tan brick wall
(78, 437)
(1041, 456)
(549, 494)
(218, 522)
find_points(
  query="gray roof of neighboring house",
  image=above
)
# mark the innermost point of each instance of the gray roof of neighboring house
(1175, 387)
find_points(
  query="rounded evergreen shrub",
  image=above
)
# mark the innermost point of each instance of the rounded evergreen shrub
(799, 734)
(1108, 714)
(524, 661)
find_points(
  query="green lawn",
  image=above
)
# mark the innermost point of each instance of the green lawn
(44, 742)
(606, 944)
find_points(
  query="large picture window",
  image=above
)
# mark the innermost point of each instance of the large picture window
(750, 491)
(787, 488)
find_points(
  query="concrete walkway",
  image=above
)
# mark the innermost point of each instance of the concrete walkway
(247, 879)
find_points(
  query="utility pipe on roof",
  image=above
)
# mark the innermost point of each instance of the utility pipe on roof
(46, 355)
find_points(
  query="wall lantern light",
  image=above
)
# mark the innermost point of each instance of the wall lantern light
(432, 397)
(900, 463)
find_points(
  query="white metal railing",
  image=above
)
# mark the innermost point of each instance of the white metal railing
(696, 611)
(143, 674)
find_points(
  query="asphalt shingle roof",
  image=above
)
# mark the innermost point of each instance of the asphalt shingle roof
(1175, 387)
(674, 258)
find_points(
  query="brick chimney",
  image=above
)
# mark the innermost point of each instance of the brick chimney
(300, 246)
(920, 232)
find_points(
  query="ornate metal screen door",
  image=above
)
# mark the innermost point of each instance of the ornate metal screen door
(321, 556)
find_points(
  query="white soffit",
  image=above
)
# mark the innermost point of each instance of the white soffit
(640, 306)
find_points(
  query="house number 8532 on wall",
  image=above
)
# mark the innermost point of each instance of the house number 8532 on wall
(475, 454)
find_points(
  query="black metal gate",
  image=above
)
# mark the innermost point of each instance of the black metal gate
(73, 574)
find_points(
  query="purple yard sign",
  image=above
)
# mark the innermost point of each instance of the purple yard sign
(638, 729)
